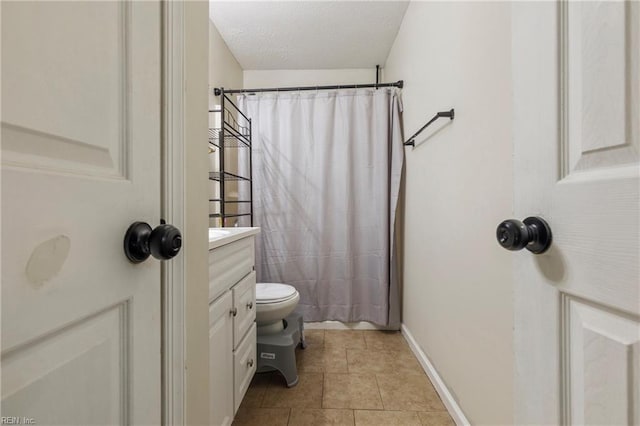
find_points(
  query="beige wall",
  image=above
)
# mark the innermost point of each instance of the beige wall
(254, 79)
(224, 71)
(458, 283)
(196, 242)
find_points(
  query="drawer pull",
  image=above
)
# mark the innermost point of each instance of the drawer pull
(250, 305)
(233, 312)
(250, 363)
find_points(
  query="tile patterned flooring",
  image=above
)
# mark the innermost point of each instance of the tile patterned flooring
(347, 377)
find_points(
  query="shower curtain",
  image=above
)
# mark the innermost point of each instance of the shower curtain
(326, 170)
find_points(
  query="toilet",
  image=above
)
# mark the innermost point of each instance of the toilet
(274, 302)
(280, 330)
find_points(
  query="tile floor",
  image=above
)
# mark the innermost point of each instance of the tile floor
(347, 378)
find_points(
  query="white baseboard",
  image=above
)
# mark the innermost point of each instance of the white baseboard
(449, 402)
(337, 325)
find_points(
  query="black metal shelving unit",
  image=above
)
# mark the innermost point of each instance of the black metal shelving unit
(234, 133)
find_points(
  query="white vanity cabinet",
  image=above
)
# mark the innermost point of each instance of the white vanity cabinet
(232, 314)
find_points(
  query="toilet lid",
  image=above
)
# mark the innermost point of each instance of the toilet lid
(274, 292)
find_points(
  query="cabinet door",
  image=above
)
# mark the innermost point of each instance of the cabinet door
(244, 302)
(245, 364)
(220, 359)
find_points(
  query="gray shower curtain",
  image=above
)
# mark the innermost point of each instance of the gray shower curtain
(326, 169)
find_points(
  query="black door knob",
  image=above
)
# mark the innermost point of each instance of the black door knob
(533, 233)
(140, 241)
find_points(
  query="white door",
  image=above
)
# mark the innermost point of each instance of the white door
(80, 163)
(576, 133)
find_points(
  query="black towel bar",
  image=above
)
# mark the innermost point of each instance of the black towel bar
(446, 114)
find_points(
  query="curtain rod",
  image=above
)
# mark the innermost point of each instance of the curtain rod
(218, 91)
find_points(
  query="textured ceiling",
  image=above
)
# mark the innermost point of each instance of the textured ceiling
(308, 34)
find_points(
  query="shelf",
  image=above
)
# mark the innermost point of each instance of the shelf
(217, 200)
(229, 215)
(226, 176)
(231, 140)
(231, 131)
(239, 132)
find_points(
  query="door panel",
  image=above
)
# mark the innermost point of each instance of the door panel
(576, 149)
(49, 367)
(599, 48)
(602, 360)
(79, 124)
(80, 163)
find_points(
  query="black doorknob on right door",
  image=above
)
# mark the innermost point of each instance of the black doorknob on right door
(533, 233)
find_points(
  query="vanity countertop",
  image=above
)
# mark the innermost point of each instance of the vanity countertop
(221, 236)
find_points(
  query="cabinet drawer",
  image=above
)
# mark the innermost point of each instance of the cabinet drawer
(244, 366)
(244, 303)
(228, 264)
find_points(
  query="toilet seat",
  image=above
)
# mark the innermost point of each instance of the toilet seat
(274, 293)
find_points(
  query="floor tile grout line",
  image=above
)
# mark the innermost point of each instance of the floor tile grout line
(322, 393)
(266, 389)
(264, 393)
(346, 357)
(375, 375)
